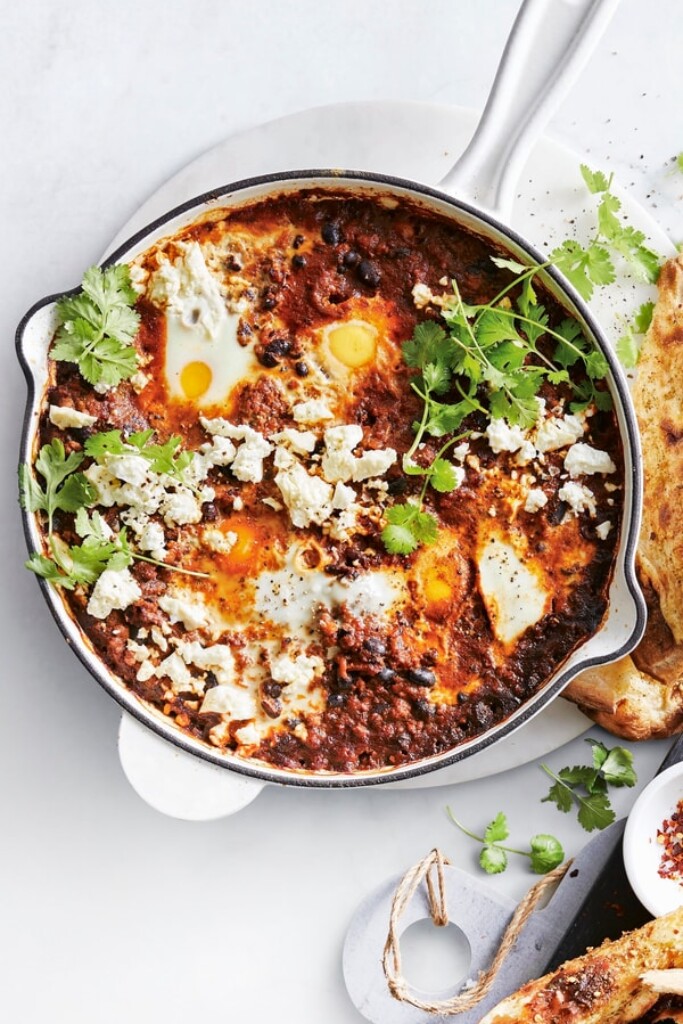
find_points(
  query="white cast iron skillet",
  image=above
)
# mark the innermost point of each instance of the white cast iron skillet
(549, 43)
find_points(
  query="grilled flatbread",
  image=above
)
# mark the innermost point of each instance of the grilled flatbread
(641, 697)
(605, 986)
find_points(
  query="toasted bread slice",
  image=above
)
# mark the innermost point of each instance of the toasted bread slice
(604, 986)
(641, 697)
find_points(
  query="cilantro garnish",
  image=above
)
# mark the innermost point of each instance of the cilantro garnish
(64, 489)
(585, 786)
(593, 264)
(545, 852)
(630, 343)
(163, 458)
(679, 161)
(98, 325)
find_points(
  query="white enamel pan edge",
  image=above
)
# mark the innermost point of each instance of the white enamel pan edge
(552, 39)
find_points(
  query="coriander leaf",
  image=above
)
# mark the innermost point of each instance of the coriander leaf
(537, 314)
(546, 853)
(108, 442)
(493, 860)
(595, 811)
(497, 829)
(494, 326)
(600, 752)
(426, 345)
(617, 768)
(443, 476)
(643, 317)
(31, 494)
(580, 775)
(444, 419)
(425, 528)
(599, 265)
(596, 181)
(609, 225)
(399, 540)
(571, 258)
(107, 361)
(48, 570)
(644, 262)
(53, 464)
(437, 377)
(560, 795)
(89, 560)
(628, 349)
(77, 492)
(508, 264)
(596, 365)
(109, 288)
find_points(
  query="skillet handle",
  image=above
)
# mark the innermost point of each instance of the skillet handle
(549, 44)
(178, 784)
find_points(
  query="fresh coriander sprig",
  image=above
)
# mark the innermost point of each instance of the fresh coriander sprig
(585, 786)
(545, 852)
(593, 265)
(163, 458)
(64, 489)
(97, 327)
(630, 343)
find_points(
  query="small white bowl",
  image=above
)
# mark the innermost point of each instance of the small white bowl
(642, 852)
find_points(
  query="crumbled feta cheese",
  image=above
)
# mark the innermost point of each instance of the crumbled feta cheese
(300, 441)
(193, 615)
(216, 658)
(237, 503)
(188, 288)
(139, 381)
(299, 671)
(579, 498)
(107, 486)
(181, 507)
(177, 671)
(273, 503)
(312, 411)
(115, 589)
(343, 497)
(63, 417)
(582, 460)
(504, 438)
(232, 700)
(346, 523)
(461, 450)
(340, 464)
(139, 651)
(146, 671)
(248, 735)
(535, 500)
(343, 438)
(603, 530)
(559, 433)
(152, 539)
(217, 540)
(131, 469)
(308, 498)
(248, 463)
(138, 276)
(373, 463)
(526, 454)
(220, 452)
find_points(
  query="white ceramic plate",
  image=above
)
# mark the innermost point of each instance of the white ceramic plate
(642, 852)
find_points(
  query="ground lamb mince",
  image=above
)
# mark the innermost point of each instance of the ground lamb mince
(340, 657)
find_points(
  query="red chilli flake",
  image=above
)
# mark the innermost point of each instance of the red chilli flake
(670, 838)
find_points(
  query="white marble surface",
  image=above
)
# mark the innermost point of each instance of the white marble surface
(109, 910)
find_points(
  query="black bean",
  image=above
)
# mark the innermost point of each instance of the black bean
(301, 369)
(336, 700)
(400, 252)
(271, 689)
(399, 485)
(298, 240)
(463, 698)
(351, 258)
(369, 273)
(279, 346)
(331, 233)
(421, 676)
(271, 706)
(404, 741)
(557, 515)
(267, 359)
(386, 674)
(375, 646)
(424, 709)
(298, 261)
(209, 511)
(210, 681)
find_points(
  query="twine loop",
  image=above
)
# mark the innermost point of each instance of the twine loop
(432, 864)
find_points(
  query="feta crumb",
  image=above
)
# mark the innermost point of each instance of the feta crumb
(248, 735)
(504, 438)
(273, 503)
(146, 671)
(63, 417)
(115, 588)
(559, 433)
(217, 659)
(181, 507)
(247, 465)
(188, 288)
(526, 454)
(139, 651)
(603, 530)
(152, 539)
(139, 381)
(312, 411)
(423, 296)
(535, 500)
(216, 540)
(373, 463)
(300, 441)
(461, 451)
(299, 671)
(177, 671)
(582, 460)
(579, 498)
(343, 497)
(179, 609)
(105, 483)
(308, 498)
(231, 700)
(237, 503)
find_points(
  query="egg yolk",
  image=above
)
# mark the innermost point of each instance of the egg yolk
(353, 344)
(244, 551)
(437, 590)
(195, 379)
